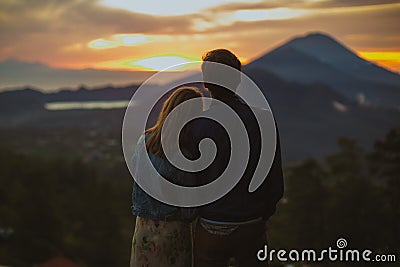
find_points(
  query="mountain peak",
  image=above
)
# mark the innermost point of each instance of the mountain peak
(321, 46)
(319, 40)
(315, 53)
(316, 36)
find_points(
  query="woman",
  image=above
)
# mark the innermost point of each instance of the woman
(162, 232)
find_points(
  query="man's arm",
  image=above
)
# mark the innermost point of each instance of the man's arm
(275, 185)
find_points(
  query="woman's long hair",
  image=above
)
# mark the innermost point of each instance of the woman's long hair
(153, 139)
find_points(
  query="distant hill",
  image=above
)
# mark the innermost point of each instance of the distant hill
(21, 109)
(318, 58)
(310, 117)
(20, 74)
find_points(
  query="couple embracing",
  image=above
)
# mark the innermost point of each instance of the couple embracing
(232, 226)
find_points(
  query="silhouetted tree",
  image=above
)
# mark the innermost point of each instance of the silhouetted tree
(355, 200)
(384, 162)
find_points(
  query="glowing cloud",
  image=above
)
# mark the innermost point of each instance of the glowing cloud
(159, 62)
(129, 40)
(101, 44)
(118, 40)
(173, 7)
(269, 14)
(228, 18)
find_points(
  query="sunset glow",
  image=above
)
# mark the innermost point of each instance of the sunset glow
(390, 60)
(149, 35)
(159, 63)
(118, 40)
(172, 7)
(269, 14)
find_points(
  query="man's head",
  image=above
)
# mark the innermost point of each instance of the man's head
(226, 76)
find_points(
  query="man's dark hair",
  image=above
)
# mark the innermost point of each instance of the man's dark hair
(229, 78)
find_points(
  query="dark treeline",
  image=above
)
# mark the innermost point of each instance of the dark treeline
(353, 194)
(80, 211)
(64, 208)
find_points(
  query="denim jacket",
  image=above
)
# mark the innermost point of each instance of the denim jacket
(146, 206)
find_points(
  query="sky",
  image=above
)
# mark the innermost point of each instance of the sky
(151, 34)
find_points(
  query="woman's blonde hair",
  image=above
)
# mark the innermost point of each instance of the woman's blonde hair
(153, 140)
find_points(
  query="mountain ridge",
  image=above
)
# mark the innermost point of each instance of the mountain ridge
(15, 74)
(319, 58)
(342, 53)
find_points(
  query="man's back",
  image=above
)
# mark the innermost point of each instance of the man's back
(238, 205)
(234, 225)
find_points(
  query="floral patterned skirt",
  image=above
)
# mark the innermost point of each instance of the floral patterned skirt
(161, 243)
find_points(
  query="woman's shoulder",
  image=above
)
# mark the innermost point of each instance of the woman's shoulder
(142, 138)
(142, 142)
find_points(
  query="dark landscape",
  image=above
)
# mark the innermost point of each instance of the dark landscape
(66, 190)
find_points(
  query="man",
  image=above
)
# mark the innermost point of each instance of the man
(234, 225)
